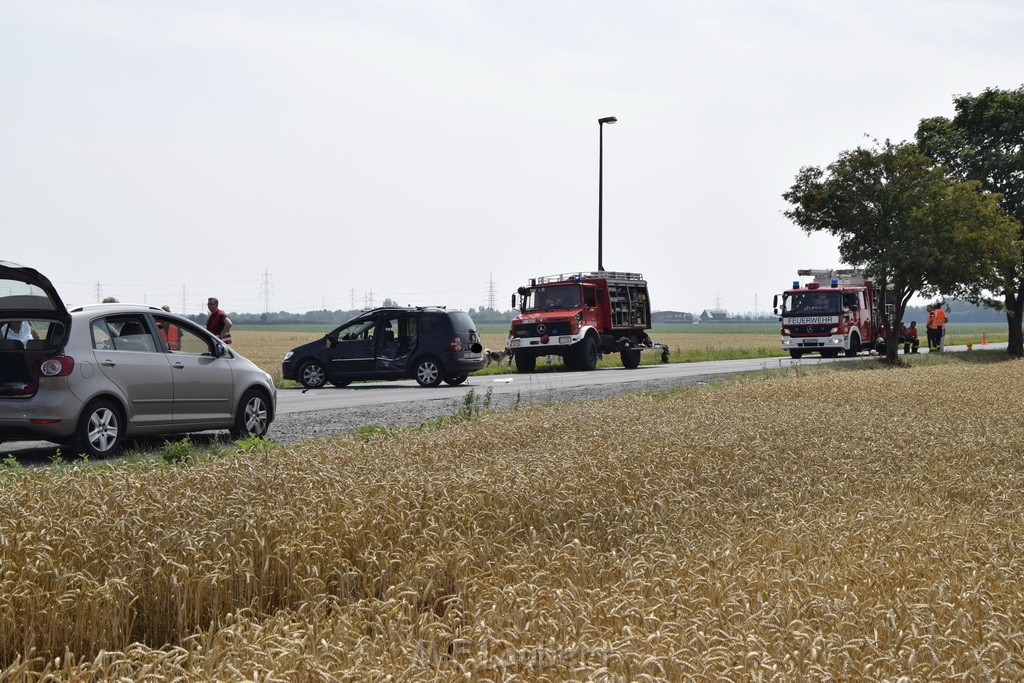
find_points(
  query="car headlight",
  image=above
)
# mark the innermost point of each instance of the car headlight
(288, 355)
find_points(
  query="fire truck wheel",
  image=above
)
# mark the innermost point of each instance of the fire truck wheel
(854, 346)
(525, 362)
(796, 354)
(830, 353)
(586, 354)
(630, 358)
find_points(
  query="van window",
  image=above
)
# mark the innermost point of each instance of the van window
(433, 324)
(461, 322)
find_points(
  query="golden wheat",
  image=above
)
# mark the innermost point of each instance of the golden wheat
(839, 526)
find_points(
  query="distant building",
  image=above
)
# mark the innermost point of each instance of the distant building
(669, 317)
(709, 315)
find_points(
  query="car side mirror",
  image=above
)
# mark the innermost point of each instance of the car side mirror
(219, 350)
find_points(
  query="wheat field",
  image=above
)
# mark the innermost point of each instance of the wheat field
(855, 525)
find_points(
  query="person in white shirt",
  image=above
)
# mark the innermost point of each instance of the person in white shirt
(16, 329)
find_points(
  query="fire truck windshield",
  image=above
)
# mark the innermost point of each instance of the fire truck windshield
(811, 303)
(554, 296)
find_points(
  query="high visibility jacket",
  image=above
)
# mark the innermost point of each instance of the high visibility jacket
(937, 319)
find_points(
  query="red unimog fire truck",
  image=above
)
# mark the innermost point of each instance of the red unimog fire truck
(579, 316)
(837, 311)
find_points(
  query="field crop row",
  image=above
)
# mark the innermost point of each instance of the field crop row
(847, 525)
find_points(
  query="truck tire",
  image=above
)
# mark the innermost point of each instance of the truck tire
(525, 362)
(854, 345)
(586, 354)
(630, 358)
(795, 354)
(830, 353)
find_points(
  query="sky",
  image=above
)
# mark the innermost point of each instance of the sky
(302, 155)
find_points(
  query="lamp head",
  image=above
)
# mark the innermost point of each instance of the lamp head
(607, 119)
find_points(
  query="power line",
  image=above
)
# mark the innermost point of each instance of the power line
(265, 289)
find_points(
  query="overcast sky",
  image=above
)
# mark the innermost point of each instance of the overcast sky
(300, 155)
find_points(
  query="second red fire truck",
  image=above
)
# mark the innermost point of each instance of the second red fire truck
(836, 312)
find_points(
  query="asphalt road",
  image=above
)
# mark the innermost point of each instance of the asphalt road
(293, 403)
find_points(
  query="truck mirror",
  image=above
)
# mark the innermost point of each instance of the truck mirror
(775, 303)
(513, 301)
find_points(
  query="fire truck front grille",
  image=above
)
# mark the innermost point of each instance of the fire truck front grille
(540, 329)
(811, 330)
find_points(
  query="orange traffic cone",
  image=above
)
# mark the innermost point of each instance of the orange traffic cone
(984, 340)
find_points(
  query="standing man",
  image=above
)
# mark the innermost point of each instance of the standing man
(218, 323)
(170, 333)
(940, 327)
(930, 328)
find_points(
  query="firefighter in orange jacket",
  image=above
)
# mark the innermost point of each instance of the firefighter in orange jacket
(170, 333)
(936, 327)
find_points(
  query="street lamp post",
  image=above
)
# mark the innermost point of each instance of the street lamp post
(600, 187)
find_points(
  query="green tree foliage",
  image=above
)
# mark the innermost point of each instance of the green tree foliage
(984, 141)
(906, 222)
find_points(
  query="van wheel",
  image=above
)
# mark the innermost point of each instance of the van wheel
(586, 354)
(100, 429)
(428, 372)
(312, 375)
(525, 362)
(253, 416)
(456, 380)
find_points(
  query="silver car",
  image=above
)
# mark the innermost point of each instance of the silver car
(95, 375)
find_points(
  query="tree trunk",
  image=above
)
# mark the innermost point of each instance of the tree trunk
(892, 345)
(1014, 302)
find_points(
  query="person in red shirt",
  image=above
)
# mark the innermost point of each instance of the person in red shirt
(910, 338)
(218, 323)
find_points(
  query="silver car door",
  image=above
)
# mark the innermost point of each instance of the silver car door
(203, 383)
(126, 353)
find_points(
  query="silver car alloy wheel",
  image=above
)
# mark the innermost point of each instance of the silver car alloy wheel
(256, 416)
(103, 429)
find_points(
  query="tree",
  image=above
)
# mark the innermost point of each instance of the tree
(984, 141)
(905, 221)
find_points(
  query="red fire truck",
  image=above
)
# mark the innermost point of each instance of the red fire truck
(835, 312)
(579, 316)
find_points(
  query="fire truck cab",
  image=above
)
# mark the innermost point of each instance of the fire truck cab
(833, 313)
